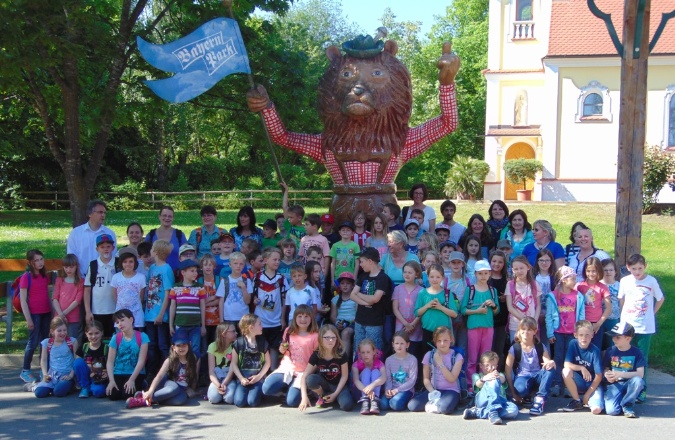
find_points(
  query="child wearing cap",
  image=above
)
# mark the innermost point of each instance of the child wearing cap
(188, 306)
(270, 236)
(343, 310)
(412, 229)
(327, 222)
(99, 302)
(345, 252)
(625, 367)
(456, 284)
(442, 232)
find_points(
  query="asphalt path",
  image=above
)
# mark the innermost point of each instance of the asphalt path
(22, 416)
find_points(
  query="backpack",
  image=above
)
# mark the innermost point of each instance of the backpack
(179, 235)
(472, 293)
(119, 335)
(198, 235)
(16, 300)
(85, 349)
(93, 269)
(256, 285)
(518, 354)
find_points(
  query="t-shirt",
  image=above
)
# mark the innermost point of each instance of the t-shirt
(373, 315)
(588, 357)
(457, 286)
(65, 293)
(567, 309)
(593, 299)
(211, 312)
(438, 380)
(60, 357)
(129, 295)
(330, 370)
(629, 360)
(269, 295)
(295, 297)
(315, 240)
(380, 244)
(256, 235)
(412, 249)
(234, 306)
(361, 238)
(393, 272)
(250, 359)
(295, 232)
(401, 373)
(127, 354)
(614, 299)
(102, 300)
(300, 348)
(188, 298)
(96, 359)
(531, 251)
(479, 320)
(434, 318)
(406, 306)
(347, 309)
(38, 294)
(344, 255)
(529, 362)
(523, 300)
(638, 306)
(285, 269)
(456, 232)
(223, 268)
(223, 359)
(271, 242)
(160, 279)
(204, 245)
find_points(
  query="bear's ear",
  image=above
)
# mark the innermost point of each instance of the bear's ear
(391, 47)
(333, 53)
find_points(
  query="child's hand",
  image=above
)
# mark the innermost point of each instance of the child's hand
(490, 303)
(159, 320)
(482, 309)
(368, 389)
(330, 398)
(549, 364)
(409, 328)
(438, 359)
(89, 317)
(241, 285)
(244, 381)
(551, 340)
(190, 392)
(202, 331)
(111, 386)
(172, 330)
(147, 396)
(283, 348)
(130, 387)
(30, 325)
(391, 393)
(610, 376)
(586, 374)
(596, 328)
(304, 403)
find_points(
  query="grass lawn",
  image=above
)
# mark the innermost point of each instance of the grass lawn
(47, 230)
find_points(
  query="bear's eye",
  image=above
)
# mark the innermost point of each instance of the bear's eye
(378, 73)
(347, 73)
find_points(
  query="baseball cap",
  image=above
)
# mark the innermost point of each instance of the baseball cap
(269, 223)
(347, 224)
(456, 255)
(442, 226)
(371, 254)
(186, 247)
(504, 243)
(347, 276)
(411, 221)
(105, 238)
(127, 250)
(180, 337)
(622, 329)
(327, 218)
(566, 272)
(481, 265)
(226, 236)
(186, 264)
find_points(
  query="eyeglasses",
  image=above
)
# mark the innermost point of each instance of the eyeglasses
(330, 338)
(543, 260)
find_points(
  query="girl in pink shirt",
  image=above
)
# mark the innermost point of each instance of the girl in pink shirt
(596, 298)
(68, 292)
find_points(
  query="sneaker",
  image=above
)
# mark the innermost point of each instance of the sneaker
(374, 407)
(537, 407)
(642, 397)
(493, 417)
(629, 413)
(555, 391)
(319, 402)
(136, 401)
(84, 393)
(365, 407)
(574, 405)
(29, 387)
(527, 401)
(471, 413)
(27, 376)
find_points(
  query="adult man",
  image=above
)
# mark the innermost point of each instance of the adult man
(448, 209)
(82, 239)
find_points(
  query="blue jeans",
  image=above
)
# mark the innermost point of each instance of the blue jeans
(595, 401)
(446, 404)
(562, 341)
(158, 348)
(274, 384)
(215, 397)
(374, 332)
(40, 331)
(524, 385)
(250, 395)
(60, 388)
(490, 398)
(82, 375)
(619, 395)
(195, 335)
(170, 393)
(398, 402)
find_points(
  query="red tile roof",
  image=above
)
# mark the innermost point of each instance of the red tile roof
(576, 32)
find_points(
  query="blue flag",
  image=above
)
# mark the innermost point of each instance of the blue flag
(200, 60)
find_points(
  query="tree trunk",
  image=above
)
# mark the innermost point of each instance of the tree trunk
(161, 167)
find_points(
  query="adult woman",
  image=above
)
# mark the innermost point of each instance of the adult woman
(477, 227)
(167, 232)
(518, 232)
(134, 234)
(246, 228)
(573, 246)
(418, 193)
(498, 219)
(576, 260)
(393, 261)
(544, 237)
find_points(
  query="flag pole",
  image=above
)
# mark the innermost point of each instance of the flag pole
(228, 5)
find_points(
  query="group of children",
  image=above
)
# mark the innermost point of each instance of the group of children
(271, 323)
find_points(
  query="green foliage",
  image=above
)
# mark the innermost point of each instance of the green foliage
(130, 196)
(659, 168)
(519, 171)
(465, 178)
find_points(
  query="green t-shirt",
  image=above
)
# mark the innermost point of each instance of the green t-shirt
(345, 255)
(294, 232)
(482, 320)
(271, 242)
(433, 318)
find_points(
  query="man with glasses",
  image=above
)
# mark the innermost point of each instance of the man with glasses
(82, 239)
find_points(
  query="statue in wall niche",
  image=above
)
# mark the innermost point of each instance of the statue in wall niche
(520, 110)
(365, 102)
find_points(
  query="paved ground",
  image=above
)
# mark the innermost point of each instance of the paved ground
(22, 416)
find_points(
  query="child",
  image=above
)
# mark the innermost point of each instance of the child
(248, 245)
(442, 232)
(255, 263)
(56, 361)
(372, 293)
(368, 376)
(490, 387)
(596, 294)
(428, 258)
(299, 292)
(294, 214)
(455, 284)
(472, 253)
(34, 295)
(280, 219)
(564, 307)
(412, 229)
(523, 295)
(300, 341)
(625, 367)
(213, 305)
(314, 276)
(252, 361)
(404, 300)
(583, 370)
(222, 386)
(640, 298)
(427, 243)
(498, 280)
(544, 274)
(418, 214)
(391, 212)
(223, 260)
(360, 232)
(528, 365)
(313, 238)
(444, 250)
(127, 353)
(331, 364)
(343, 310)
(327, 222)
(433, 306)
(68, 292)
(176, 380)
(188, 309)
(479, 305)
(441, 369)
(99, 303)
(401, 373)
(268, 291)
(160, 280)
(233, 295)
(145, 257)
(344, 253)
(611, 272)
(378, 235)
(289, 250)
(270, 236)
(216, 248)
(90, 363)
(128, 288)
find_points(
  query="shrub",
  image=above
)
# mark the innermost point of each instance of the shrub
(658, 171)
(465, 178)
(130, 196)
(519, 171)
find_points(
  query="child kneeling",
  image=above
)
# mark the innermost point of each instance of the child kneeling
(490, 388)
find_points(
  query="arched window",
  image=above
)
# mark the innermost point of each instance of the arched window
(592, 105)
(524, 10)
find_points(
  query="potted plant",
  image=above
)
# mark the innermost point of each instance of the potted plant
(519, 171)
(465, 178)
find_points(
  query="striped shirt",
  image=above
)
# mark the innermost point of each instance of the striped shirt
(187, 299)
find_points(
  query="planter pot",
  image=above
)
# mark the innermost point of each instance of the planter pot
(524, 195)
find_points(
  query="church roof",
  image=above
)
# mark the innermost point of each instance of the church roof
(576, 32)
